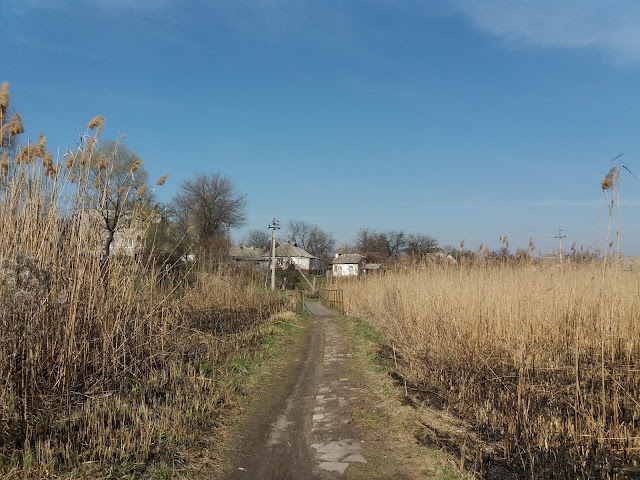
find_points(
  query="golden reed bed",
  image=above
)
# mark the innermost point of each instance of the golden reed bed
(543, 358)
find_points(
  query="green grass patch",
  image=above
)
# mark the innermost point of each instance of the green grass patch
(366, 331)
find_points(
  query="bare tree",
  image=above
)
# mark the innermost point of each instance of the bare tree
(393, 243)
(366, 240)
(420, 244)
(321, 244)
(298, 231)
(311, 238)
(209, 204)
(376, 244)
(257, 238)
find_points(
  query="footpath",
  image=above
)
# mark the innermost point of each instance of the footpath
(332, 414)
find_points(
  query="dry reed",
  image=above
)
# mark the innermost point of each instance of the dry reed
(544, 358)
(103, 362)
(162, 179)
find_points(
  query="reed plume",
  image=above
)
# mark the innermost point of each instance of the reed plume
(5, 132)
(135, 166)
(47, 160)
(4, 100)
(97, 124)
(39, 150)
(609, 178)
(162, 179)
(13, 128)
(70, 160)
(103, 162)
(16, 127)
(91, 143)
(4, 163)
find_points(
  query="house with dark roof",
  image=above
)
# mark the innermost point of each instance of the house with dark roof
(348, 265)
(290, 256)
(252, 255)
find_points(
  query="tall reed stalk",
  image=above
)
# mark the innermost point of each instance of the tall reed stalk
(544, 357)
(101, 363)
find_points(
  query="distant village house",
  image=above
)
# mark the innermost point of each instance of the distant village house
(352, 265)
(289, 255)
(248, 255)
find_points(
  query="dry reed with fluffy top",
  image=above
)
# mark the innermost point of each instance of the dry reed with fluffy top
(97, 124)
(4, 162)
(16, 125)
(4, 101)
(108, 365)
(162, 179)
(135, 166)
(544, 359)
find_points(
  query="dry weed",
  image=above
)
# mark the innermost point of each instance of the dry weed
(103, 362)
(544, 358)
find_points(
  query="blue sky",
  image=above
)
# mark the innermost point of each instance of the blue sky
(462, 119)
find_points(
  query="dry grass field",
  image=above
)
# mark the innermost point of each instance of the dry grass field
(106, 368)
(540, 360)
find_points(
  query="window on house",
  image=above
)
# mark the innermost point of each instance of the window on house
(350, 269)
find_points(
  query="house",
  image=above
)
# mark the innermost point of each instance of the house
(248, 255)
(128, 235)
(370, 268)
(439, 255)
(555, 257)
(348, 265)
(290, 255)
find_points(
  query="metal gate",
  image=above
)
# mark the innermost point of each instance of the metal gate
(332, 298)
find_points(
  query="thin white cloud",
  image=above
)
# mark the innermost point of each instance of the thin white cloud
(611, 27)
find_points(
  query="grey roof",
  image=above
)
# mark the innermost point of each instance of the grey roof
(372, 266)
(348, 258)
(290, 249)
(245, 252)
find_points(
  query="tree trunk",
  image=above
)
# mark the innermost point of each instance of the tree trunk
(107, 244)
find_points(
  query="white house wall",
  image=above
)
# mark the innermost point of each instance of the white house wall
(301, 262)
(345, 270)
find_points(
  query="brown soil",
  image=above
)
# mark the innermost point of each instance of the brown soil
(329, 412)
(274, 442)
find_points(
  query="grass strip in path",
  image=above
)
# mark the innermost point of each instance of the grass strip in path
(389, 426)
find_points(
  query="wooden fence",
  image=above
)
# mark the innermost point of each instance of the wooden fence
(332, 298)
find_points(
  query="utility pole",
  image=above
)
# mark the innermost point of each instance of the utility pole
(274, 226)
(560, 237)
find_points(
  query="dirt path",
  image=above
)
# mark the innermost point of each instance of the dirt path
(332, 412)
(307, 434)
